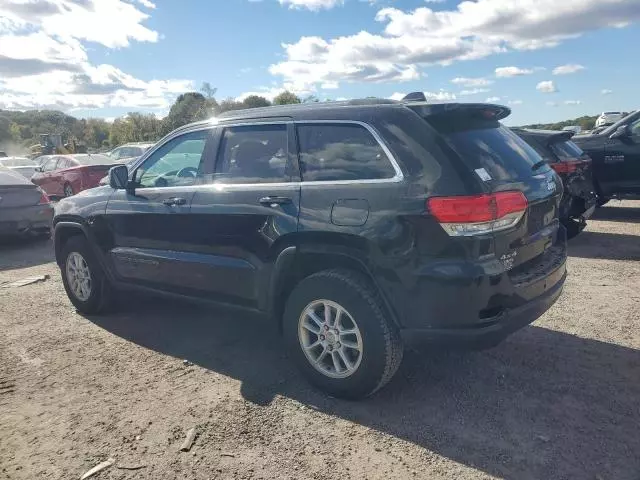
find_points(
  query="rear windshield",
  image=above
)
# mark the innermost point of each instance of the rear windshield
(93, 159)
(566, 150)
(491, 146)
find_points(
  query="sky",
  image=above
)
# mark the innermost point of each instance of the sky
(548, 60)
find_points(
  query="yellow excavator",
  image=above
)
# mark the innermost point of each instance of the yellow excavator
(52, 144)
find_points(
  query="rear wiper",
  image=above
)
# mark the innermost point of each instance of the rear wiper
(537, 165)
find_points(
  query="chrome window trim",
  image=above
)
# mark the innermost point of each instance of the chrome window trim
(398, 176)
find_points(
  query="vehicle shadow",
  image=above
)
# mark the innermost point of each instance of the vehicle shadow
(612, 246)
(25, 252)
(544, 404)
(618, 214)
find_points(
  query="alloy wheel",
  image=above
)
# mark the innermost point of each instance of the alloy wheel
(330, 339)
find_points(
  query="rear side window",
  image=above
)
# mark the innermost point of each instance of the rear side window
(253, 154)
(566, 150)
(330, 152)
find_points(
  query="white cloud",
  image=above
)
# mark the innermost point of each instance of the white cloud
(515, 102)
(434, 97)
(572, 102)
(552, 104)
(44, 61)
(411, 40)
(313, 5)
(492, 99)
(505, 72)
(606, 91)
(474, 91)
(567, 69)
(472, 82)
(546, 87)
(147, 3)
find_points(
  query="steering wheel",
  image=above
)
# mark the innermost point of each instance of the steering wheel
(187, 171)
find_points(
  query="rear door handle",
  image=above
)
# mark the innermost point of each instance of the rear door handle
(275, 201)
(170, 202)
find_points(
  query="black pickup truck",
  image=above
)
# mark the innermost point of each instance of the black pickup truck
(615, 152)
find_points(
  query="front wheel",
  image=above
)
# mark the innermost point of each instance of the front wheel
(68, 190)
(337, 331)
(83, 278)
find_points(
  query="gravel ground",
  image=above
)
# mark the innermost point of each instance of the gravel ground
(557, 400)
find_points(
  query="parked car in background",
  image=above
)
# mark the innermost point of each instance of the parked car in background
(24, 166)
(572, 128)
(615, 152)
(129, 150)
(356, 225)
(66, 175)
(24, 207)
(608, 118)
(574, 168)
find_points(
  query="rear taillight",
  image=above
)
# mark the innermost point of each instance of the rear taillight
(479, 214)
(569, 166)
(44, 199)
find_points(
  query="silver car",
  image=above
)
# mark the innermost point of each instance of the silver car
(23, 165)
(24, 207)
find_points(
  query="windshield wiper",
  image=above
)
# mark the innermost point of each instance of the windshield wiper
(537, 165)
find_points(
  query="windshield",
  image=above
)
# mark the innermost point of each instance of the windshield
(93, 159)
(566, 150)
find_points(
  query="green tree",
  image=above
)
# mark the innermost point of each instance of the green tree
(255, 101)
(188, 107)
(207, 90)
(286, 98)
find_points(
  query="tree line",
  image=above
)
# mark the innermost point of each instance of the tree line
(20, 130)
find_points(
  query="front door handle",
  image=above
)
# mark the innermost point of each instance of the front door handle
(275, 201)
(170, 202)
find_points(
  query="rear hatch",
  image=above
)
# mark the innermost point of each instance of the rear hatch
(523, 191)
(17, 191)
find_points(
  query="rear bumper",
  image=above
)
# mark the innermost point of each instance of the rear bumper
(492, 331)
(24, 220)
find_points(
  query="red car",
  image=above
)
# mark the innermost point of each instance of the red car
(66, 175)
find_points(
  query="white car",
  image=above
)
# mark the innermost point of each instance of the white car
(21, 165)
(608, 118)
(572, 128)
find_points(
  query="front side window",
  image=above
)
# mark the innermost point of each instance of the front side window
(330, 152)
(635, 128)
(176, 163)
(253, 154)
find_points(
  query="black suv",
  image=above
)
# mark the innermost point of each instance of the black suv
(573, 166)
(356, 225)
(616, 158)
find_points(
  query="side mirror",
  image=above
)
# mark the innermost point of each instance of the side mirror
(621, 131)
(38, 169)
(119, 177)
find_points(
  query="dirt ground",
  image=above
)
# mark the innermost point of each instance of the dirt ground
(557, 400)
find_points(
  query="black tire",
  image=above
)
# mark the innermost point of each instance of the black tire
(573, 227)
(99, 299)
(382, 347)
(68, 190)
(600, 201)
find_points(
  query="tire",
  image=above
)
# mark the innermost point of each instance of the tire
(98, 298)
(68, 190)
(600, 201)
(381, 348)
(573, 227)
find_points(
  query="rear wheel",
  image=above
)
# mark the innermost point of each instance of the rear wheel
(83, 278)
(68, 190)
(574, 227)
(337, 331)
(600, 201)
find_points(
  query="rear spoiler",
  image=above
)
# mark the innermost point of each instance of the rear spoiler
(551, 136)
(487, 111)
